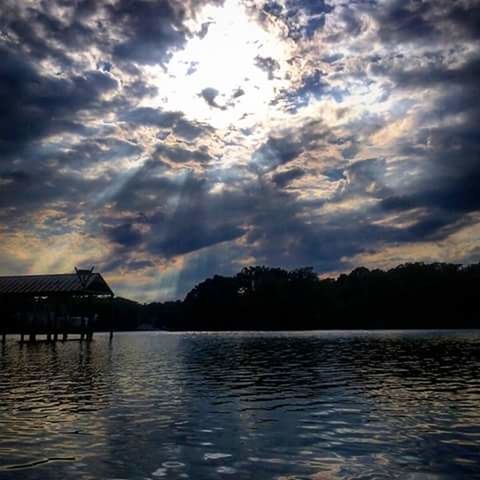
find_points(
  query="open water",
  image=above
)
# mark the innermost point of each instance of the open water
(316, 405)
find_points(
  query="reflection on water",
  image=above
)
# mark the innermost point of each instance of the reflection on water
(246, 405)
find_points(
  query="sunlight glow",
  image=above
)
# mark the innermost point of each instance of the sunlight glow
(225, 60)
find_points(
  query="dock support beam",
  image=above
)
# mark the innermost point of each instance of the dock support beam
(49, 326)
(82, 328)
(66, 319)
(89, 333)
(55, 329)
(111, 319)
(55, 321)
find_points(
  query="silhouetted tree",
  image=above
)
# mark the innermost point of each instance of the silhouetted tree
(411, 295)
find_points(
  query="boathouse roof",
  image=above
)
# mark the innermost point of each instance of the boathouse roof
(82, 282)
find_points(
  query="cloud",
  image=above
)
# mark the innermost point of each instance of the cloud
(268, 64)
(178, 154)
(302, 17)
(34, 105)
(150, 31)
(210, 95)
(438, 75)
(282, 179)
(410, 21)
(125, 235)
(274, 152)
(174, 121)
(351, 136)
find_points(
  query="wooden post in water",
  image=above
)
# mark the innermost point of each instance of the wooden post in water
(55, 329)
(55, 322)
(89, 319)
(22, 325)
(64, 326)
(111, 319)
(66, 320)
(32, 336)
(23, 321)
(89, 330)
(82, 328)
(6, 312)
(49, 324)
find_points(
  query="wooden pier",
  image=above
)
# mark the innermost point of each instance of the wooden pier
(55, 306)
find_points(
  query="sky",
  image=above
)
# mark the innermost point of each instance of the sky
(165, 141)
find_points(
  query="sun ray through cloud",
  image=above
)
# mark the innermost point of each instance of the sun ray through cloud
(284, 132)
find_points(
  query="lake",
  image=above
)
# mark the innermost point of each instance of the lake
(316, 405)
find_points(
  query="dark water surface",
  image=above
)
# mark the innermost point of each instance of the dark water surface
(357, 405)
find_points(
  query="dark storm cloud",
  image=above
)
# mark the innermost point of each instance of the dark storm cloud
(72, 107)
(443, 193)
(282, 179)
(180, 214)
(446, 157)
(284, 231)
(152, 116)
(94, 151)
(190, 130)
(39, 33)
(406, 21)
(411, 21)
(139, 89)
(37, 183)
(58, 31)
(129, 32)
(439, 164)
(444, 187)
(366, 174)
(179, 154)
(314, 85)
(155, 117)
(450, 173)
(436, 75)
(287, 145)
(277, 227)
(33, 105)
(302, 17)
(150, 29)
(148, 189)
(274, 152)
(125, 235)
(187, 238)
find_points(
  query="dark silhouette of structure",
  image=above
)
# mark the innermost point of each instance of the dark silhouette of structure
(53, 305)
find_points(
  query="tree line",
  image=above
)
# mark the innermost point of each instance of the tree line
(413, 295)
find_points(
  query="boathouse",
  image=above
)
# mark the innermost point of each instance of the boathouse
(55, 305)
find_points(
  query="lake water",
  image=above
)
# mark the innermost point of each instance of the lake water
(322, 405)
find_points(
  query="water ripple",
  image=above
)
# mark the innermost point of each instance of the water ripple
(331, 405)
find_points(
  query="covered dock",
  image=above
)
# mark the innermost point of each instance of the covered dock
(55, 305)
